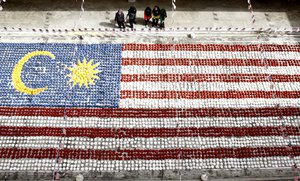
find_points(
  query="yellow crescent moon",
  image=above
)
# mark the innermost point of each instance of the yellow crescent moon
(16, 73)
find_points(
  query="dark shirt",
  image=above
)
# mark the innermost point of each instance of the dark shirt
(132, 10)
(120, 17)
(131, 15)
(163, 14)
(148, 11)
(156, 12)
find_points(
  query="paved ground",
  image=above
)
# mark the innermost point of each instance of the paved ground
(188, 175)
(100, 13)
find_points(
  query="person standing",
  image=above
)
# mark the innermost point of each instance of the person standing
(120, 18)
(163, 15)
(147, 15)
(132, 10)
(131, 15)
(155, 15)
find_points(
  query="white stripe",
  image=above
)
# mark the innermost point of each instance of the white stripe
(183, 164)
(135, 69)
(210, 86)
(145, 143)
(296, 161)
(27, 164)
(208, 103)
(93, 122)
(212, 54)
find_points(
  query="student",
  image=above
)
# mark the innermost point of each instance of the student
(120, 18)
(147, 15)
(155, 15)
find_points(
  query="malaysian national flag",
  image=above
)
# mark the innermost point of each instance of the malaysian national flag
(103, 107)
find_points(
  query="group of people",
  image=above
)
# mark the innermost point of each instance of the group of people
(156, 15)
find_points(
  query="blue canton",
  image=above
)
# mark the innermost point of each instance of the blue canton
(42, 71)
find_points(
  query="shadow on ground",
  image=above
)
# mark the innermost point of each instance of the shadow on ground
(291, 8)
(112, 23)
(182, 5)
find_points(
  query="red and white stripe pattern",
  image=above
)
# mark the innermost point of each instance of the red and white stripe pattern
(181, 107)
(201, 76)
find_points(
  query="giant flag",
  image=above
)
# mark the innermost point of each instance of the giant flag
(110, 107)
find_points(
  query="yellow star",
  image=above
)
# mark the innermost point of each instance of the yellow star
(83, 73)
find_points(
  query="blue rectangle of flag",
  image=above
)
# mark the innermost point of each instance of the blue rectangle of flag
(58, 75)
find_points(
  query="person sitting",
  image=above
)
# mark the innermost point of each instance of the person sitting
(147, 15)
(155, 15)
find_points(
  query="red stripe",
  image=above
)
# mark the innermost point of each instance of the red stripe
(127, 94)
(149, 132)
(209, 78)
(210, 47)
(207, 62)
(150, 113)
(243, 152)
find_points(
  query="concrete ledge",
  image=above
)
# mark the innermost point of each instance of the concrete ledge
(242, 174)
(184, 29)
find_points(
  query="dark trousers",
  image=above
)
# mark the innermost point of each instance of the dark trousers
(120, 23)
(131, 21)
(154, 22)
(146, 21)
(162, 24)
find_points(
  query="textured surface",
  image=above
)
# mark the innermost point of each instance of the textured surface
(192, 134)
(40, 71)
(242, 113)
